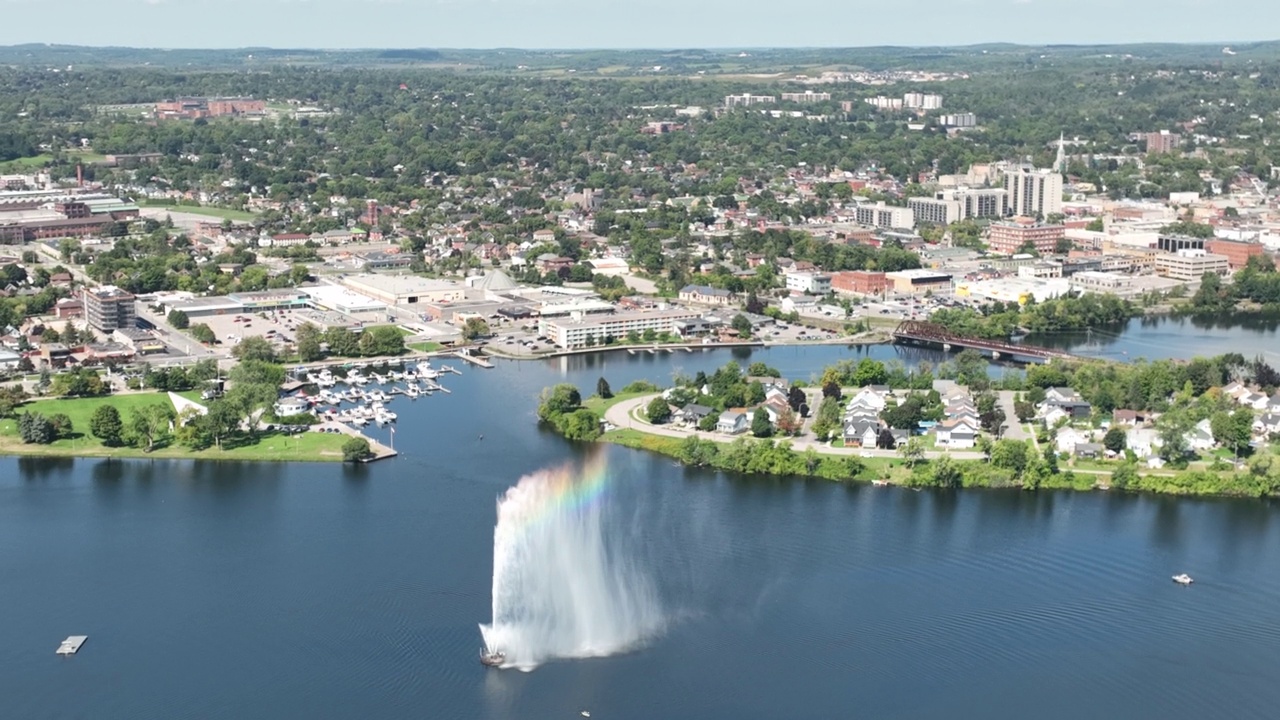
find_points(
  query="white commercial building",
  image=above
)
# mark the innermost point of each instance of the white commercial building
(1034, 193)
(884, 216)
(574, 331)
(1191, 265)
(807, 282)
(936, 212)
(405, 289)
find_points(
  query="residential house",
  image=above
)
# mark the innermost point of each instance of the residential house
(956, 433)
(1200, 437)
(1267, 425)
(1254, 400)
(733, 421)
(1130, 418)
(1068, 438)
(774, 407)
(693, 414)
(861, 432)
(1089, 450)
(1143, 442)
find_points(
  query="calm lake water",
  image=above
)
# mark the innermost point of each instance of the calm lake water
(320, 591)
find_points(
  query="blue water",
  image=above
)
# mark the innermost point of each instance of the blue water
(322, 591)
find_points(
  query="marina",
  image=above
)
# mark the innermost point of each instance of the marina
(364, 396)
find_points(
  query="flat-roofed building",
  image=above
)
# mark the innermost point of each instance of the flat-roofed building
(884, 216)
(1236, 252)
(574, 331)
(109, 308)
(919, 282)
(809, 282)
(937, 212)
(1191, 265)
(859, 282)
(1014, 237)
(1034, 192)
(405, 289)
(706, 295)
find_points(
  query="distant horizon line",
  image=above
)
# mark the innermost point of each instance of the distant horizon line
(716, 48)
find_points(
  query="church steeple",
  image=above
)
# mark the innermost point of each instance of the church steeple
(1060, 164)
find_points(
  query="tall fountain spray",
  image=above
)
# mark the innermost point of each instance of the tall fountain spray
(564, 585)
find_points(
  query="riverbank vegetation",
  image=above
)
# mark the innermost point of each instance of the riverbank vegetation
(998, 321)
(1257, 284)
(1183, 395)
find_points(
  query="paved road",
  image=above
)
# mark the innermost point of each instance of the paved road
(1014, 430)
(623, 415)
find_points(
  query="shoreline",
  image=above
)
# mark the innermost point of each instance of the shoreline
(888, 467)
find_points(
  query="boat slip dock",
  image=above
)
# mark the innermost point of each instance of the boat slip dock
(72, 644)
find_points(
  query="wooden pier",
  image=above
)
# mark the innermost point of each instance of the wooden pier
(72, 644)
(474, 360)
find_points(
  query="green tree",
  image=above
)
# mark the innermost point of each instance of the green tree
(61, 425)
(1115, 440)
(150, 423)
(254, 348)
(558, 400)
(1010, 455)
(179, 319)
(308, 338)
(105, 424)
(760, 425)
(35, 429)
(742, 324)
(658, 411)
(356, 449)
(603, 390)
(912, 451)
(474, 328)
(203, 333)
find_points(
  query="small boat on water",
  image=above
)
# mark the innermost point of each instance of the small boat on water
(1183, 579)
(492, 658)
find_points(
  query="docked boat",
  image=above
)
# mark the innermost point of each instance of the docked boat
(492, 658)
(1183, 579)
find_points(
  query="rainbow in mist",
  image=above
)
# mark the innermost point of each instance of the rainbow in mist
(563, 586)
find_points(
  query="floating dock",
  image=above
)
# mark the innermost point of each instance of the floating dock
(72, 644)
(473, 359)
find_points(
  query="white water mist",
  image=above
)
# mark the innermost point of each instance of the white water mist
(564, 585)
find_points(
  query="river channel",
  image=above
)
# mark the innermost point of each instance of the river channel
(322, 591)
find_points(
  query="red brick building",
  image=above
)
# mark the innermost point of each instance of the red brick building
(861, 282)
(1237, 253)
(1009, 238)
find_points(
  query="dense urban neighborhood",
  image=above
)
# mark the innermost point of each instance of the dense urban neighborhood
(158, 236)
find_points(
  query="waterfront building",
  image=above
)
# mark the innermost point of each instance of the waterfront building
(578, 330)
(1236, 252)
(1191, 265)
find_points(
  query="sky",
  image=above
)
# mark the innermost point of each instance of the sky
(538, 24)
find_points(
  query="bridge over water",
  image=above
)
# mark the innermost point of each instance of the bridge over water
(915, 332)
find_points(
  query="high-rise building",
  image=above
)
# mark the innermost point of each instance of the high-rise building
(935, 211)
(1162, 142)
(1034, 193)
(109, 308)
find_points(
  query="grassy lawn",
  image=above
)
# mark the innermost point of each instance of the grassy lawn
(27, 163)
(425, 346)
(600, 405)
(217, 212)
(307, 447)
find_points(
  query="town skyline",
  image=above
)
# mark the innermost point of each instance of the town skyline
(572, 24)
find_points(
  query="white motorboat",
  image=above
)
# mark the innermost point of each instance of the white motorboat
(1183, 579)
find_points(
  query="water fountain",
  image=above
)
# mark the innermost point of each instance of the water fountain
(564, 585)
